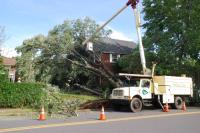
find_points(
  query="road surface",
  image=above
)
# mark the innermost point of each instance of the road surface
(147, 121)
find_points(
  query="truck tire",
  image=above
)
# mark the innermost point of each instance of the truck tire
(178, 101)
(136, 105)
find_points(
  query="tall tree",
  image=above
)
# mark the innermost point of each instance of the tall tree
(172, 34)
(29, 50)
(2, 35)
(3, 71)
(63, 60)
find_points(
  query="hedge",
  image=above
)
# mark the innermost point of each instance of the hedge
(19, 95)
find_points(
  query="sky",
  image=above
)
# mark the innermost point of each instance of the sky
(24, 19)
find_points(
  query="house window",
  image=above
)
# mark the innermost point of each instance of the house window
(114, 57)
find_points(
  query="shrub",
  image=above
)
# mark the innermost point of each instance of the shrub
(15, 95)
(61, 103)
(18, 95)
(53, 100)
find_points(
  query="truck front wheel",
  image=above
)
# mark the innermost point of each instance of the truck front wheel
(136, 105)
(178, 101)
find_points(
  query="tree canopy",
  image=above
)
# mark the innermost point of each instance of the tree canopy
(171, 38)
(61, 59)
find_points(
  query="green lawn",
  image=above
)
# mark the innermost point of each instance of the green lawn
(80, 97)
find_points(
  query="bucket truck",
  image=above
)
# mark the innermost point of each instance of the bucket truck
(146, 89)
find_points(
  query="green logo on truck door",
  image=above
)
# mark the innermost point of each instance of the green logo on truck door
(144, 92)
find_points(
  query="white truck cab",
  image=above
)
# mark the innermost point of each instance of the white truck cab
(141, 87)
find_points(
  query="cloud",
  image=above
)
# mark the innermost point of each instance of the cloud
(8, 52)
(119, 35)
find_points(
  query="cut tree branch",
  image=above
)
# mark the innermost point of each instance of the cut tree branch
(88, 89)
(95, 70)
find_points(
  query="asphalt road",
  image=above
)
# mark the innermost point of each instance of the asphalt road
(147, 121)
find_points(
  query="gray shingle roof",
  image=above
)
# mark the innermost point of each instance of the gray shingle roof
(108, 45)
(9, 61)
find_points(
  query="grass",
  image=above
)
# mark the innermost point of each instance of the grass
(7, 113)
(14, 112)
(82, 98)
(33, 114)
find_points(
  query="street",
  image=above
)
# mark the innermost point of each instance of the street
(150, 121)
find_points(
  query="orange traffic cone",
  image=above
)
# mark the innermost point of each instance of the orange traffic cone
(166, 108)
(102, 115)
(42, 114)
(184, 106)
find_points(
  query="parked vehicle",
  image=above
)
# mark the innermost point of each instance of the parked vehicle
(139, 90)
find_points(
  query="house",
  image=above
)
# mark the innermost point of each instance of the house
(10, 64)
(110, 50)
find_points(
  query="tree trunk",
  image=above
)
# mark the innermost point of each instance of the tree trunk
(88, 89)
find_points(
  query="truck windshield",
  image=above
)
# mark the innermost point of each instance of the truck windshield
(131, 83)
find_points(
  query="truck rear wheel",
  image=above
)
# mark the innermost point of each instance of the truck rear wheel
(136, 105)
(178, 101)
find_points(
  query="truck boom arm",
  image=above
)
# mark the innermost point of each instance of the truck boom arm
(133, 3)
(141, 48)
